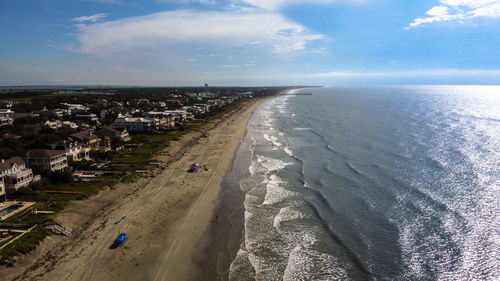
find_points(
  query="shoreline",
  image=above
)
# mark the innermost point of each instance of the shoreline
(168, 216)
(225, 236)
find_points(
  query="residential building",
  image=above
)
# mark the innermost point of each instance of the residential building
(15, 173)
(114, 134)
(135, 125)
(246, 94)
(163, 120)
(49, 113)
(158, 104)
(7, 103)
(214, 102)
(174, 103)
(192, 109)
(180, 115)
(54, 160)
(6, 113)
(87, 139)
(71, 125)
(204, 107)
(86, 117)
(76, 108)
(6, 117)
(53, 124)
(82, 125)
(74, 150)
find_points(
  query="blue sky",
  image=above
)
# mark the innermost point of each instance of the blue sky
(249, 42)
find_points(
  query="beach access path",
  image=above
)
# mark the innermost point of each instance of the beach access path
(167, 216)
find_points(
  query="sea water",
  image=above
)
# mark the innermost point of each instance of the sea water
(386, 183)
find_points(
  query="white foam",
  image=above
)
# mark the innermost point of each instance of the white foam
(275, 192)
(248, 215)
(302, 265)
(274, 140)
(272, 164)
(241, 267)
(288, 151)
(252, 168)
(287, 214)
(266, 136)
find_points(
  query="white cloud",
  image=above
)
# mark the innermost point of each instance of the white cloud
(222, 30)
(460, 10)
(275, 4)
(92, 18)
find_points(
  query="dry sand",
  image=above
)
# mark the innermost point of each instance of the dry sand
(168, 217)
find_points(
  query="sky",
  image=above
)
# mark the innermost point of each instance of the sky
(249, 42)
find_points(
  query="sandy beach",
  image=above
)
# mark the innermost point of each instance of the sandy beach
(168, 217)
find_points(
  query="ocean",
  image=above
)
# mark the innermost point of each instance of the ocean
(382, 183)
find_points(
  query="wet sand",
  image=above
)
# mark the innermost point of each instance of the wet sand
(169, 217)
(225, 236)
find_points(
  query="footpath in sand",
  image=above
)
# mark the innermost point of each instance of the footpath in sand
(168, 217)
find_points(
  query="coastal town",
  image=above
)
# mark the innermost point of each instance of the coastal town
(61, 145)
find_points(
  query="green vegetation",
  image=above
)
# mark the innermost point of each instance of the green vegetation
(23, 245)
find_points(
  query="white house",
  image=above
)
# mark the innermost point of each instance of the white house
(70, 124)
(163, 119)
(53, 124)
(6, 117)
(74, 150)
(15, 173)
(135, 125)
(76, 108)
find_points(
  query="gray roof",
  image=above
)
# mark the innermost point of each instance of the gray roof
(7, 164)
(44, 153)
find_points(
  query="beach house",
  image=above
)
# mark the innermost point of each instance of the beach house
(135, 124)
(6, 117)
(163, 119)
(114, 134)
(53, 124)
(54, 160)
(15, 173)
(87, 139)
(74, 150)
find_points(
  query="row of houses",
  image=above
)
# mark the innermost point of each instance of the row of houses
(17, 172)
(153, 121)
